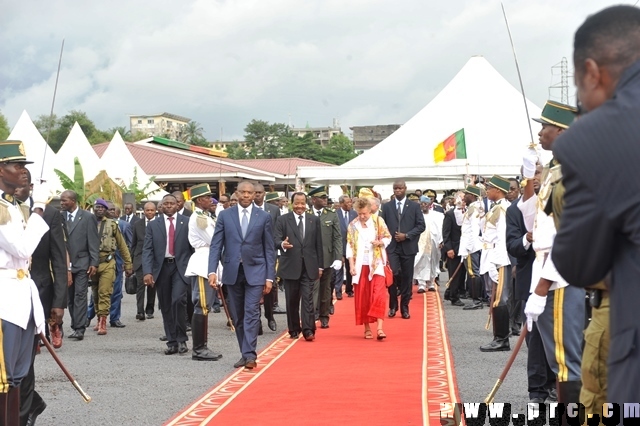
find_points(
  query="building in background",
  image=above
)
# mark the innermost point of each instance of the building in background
(164, 125)
(366, 137)
(321, 135)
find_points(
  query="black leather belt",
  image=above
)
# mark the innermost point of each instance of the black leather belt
(169, 259)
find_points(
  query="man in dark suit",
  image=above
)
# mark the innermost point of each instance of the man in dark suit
(298, 235)
(84, 244)
(451, 232)
(49, 272)
(130, 215)
(270, 300)
(165, 256)
(137, 242)
(182, 210)
(345, 216)
(245, 235)
(331, 253)
(405, 222)
(541, 380)
(599, 230)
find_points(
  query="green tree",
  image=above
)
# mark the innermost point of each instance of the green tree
(264, 139)
(338, 151)
(193, 133)
(300, 147)
(126, 134)
(134, 187)
(88, 192)
(4, 127)
(237, 152)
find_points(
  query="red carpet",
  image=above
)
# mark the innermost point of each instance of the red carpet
(342, 377)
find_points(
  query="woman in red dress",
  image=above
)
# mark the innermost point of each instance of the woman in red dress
(367, 238)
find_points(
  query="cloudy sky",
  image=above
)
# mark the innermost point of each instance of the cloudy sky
(223, 63)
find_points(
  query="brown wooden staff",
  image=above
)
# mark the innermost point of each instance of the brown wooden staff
(75, 384)
(226, 308)
(514, 354)
(454, 275)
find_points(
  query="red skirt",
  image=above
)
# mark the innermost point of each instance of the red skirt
(370, 297)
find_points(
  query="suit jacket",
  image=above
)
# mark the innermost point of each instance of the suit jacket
(84, 242)
(273, 211)
(600, 225)
(345, 226)
(137, 242)
(331, 237)
(451, 233)
(49, 262)
(411, 223)
(186, 212)
(134, 219)
(516, 230)
(255, 251)
(155, 244)
(308, 250)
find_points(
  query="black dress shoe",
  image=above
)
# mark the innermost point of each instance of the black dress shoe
(216, 309)
(149, 316)
(294, 335)
(250, 364)
(515, 332)
(496, 346)
(473, 305)
(77, 334)
(241, 362)
(182, 348)
(163, 338)
(272, 325)
(309, 337)
(35, 412)
(204, 354)
(171, 350)
(350, 294)
(339, 297)
(536, 401)
(331, 309)
(260, 332)
(458, 303)
(117, 324)
(405, 312)
(140, 317)
(324, 323)
(392, 313)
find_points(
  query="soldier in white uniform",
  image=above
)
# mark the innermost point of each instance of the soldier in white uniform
(21, 313)
(495, 264)
(468, 216)
(201, 227)
(558, 307)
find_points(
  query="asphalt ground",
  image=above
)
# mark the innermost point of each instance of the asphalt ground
(131, 381)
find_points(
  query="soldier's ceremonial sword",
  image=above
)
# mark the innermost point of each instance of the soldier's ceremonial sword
(53, 102)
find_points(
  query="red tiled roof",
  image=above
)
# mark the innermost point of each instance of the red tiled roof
(281, 166)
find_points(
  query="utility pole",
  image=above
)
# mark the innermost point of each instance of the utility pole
(560, 70)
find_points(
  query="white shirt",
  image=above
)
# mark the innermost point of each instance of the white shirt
(73, 214)
(395, 206)
(200, 240)
(297, 217)
(166, 224)
(259, 207)
(240, 213)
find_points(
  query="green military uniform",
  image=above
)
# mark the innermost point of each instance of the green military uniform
(332, 252)
(102, 282)
(596, 348)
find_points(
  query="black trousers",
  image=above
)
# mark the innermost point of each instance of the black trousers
(172, 294)
(299, 295)
(457, 284)
(77, 302)
(402, 267)
(141, 289)
(540, 377)
(324, 293)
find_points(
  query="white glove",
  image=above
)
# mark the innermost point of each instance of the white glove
(529, 161)
(336, 265)
(463, 257)
(534, 308)
(41, 195)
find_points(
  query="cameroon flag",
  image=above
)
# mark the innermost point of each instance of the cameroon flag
(451, 148)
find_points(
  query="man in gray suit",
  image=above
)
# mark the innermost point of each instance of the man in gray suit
(271, 298)
(84, 243)
(165, 256)
(244, 233)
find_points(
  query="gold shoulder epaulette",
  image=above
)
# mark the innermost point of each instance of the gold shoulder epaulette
(201, 221)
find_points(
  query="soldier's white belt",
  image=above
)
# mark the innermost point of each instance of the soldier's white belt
(488, 246)
(542, 255)
(14, 273)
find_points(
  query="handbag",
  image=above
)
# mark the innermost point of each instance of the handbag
(130, 284)
(388, 272)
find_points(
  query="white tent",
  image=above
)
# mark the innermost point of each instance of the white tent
(121, 166)
(36, 149)
(77, 145)
(480, 101)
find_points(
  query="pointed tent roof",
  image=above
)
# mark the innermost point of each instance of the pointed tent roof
(77, 145)
(120, 164)
(480, 101)
(35, 147)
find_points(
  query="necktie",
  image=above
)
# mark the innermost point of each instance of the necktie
(399, 209)
(244, 225)
(301, 227)
(70, 217)
(493, 204)
(172, 234)
(318, 212)
(129, 219)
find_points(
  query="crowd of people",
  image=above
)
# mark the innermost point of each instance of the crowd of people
(526, 249)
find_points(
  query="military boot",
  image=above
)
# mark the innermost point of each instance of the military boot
(199, 328)
(102, 325)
